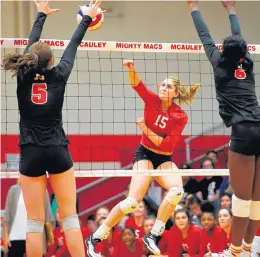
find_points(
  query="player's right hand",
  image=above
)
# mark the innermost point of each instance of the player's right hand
(43, 6)
(129, 64)
(93, 9)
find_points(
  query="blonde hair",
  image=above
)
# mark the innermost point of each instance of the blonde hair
(186, 93)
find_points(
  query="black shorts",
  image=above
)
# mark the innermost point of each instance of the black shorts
(143, 153)
(35, 161)
(245, 138)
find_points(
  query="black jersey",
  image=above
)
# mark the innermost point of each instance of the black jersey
(40, 95)
(235, 88)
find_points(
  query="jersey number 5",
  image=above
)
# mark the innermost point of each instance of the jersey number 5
(39, 93)
(161, 121)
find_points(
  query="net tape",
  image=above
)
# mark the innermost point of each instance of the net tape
(130, 173)
(127, 47)
(120, 46)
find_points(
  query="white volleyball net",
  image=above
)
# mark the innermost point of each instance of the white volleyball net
(100, 107)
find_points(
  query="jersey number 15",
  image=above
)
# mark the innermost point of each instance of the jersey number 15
(39, 93)
(160, 121)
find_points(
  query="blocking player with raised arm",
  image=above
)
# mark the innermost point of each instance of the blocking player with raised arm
(239, 109)
(43, 144)
(162, 126)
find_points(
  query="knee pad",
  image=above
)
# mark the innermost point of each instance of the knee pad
(70, 222)
(174, 195)
(254, 210)
(128, 205)
(35, 226)
(240, 208)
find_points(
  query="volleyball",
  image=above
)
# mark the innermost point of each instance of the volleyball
(96, 22)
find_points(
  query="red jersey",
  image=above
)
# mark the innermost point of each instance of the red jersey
(108, 246)
(130, 223)
(218, 241)
(59, 247)
(168, 125)
(177, 245)
(122, 251)
(258, 231)
(163, 243)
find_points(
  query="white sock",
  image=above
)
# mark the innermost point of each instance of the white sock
(246, 247)
(158, 228)
(102, 232)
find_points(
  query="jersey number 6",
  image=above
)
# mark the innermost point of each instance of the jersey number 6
(39, 93)
(161, 121)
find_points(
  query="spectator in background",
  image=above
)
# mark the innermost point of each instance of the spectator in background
(59, 247)
(108, 245)
(226, 201)
(213, 155)
(136, 221)
(91, 223)
(225, 221)
(191, 185)
(213, 239)
(101, 212)
(194, 207)
(15, 221)
(148, 224)
(130, 245)
(209, 186)
(184, 237)
(224, 185)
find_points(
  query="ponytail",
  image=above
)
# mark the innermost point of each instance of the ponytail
(186, 93)
(18, 62)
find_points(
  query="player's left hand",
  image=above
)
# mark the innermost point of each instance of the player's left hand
(43, 6)
(140, 122)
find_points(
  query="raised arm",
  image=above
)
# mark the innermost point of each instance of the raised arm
(209, 45)
(43, 10)
(234, 22)
(67, 60)
(146, 94)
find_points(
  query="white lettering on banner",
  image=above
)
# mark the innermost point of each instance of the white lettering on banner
(121, 46)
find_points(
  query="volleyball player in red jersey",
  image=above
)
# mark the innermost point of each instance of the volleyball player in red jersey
(225, 222)
(162, 126)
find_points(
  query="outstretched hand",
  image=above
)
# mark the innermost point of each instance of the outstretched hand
(93, 9)
(43, 6)
(229, 6)
(193, 5)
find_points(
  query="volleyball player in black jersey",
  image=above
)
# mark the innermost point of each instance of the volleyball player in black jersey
(238, 107)
(43, 144)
